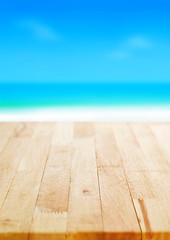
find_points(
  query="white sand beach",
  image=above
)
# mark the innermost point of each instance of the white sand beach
(139, 113)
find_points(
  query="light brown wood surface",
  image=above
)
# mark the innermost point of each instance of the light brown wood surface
(89, 181)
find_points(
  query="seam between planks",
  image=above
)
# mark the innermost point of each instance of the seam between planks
(142, 203)
(66, 234)
(131, 131)
(132, 199)
(10, 137)
(9, 189)
(16, 169)
(157, 141)
(129, 190)
(128, 184)
(160, 146)
(39, 189)
(98, 179)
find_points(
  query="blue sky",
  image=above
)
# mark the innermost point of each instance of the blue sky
(85, 41)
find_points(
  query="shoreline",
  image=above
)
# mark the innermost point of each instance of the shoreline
(66, 114)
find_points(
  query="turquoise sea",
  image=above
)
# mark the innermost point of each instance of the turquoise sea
(17, 95)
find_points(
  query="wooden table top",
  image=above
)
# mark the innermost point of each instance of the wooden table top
(85, 181)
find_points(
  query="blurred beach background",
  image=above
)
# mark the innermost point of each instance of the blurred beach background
(85, 60)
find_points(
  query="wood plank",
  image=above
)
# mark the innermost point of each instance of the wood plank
(106, 149)
(18, 208)
(148, 184)
(133, 158)
(119, 217)
(72, 181)
(84, 215)
(156, 159)
(162, 133)
(83, 129)
(6, 131)
(50, 215)
(150, 191)
(12, 155)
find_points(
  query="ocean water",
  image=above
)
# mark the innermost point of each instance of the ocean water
(28, 95)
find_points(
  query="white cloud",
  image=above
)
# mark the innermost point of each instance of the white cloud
(130, 47)
(39, 30)
(119, 54)
(139, 42)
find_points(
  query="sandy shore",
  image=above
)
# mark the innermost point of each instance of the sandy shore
(87, 114)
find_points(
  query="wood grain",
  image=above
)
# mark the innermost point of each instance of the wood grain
(150, 191)
(84, 213)
(132, 155)
(119, 216)
(6, 131)
(106, 150)
(148, 181)
(18, 207)
(11, 156)
(52, 204)
(90, 181)
(155, 157)
(162, 133)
